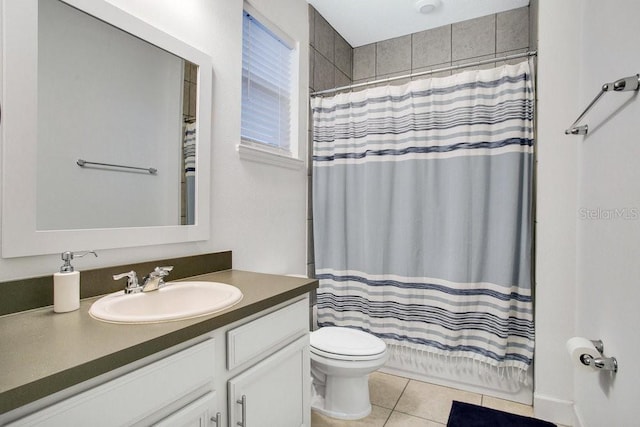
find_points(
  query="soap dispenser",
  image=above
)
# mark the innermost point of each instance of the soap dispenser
(66, 285)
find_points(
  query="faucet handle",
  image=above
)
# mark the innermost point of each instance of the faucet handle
(161, 271)
(132, 281)
(154, 280)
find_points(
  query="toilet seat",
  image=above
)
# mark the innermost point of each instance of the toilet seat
(347, 357)
(342, 343)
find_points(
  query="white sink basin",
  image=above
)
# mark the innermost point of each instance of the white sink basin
(174, 301)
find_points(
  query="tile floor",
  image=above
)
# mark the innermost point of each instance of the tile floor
(401, 402)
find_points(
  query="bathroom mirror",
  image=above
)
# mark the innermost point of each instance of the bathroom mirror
(106, 128)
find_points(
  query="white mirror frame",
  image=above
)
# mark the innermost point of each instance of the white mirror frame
(19, 138)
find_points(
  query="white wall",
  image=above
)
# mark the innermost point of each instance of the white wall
(559, 101)
(587, 268)
(607, 290)
(258, 211)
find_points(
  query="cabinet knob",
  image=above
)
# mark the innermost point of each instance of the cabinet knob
(243, 404)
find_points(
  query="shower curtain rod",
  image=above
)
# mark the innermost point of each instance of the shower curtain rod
(424, 73)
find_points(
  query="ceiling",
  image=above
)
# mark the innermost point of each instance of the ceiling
(362, 22)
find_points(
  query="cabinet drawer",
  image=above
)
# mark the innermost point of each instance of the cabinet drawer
(195, 414)
(133, 396)
(267, 333)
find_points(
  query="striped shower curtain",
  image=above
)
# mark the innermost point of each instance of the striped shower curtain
(189, 153)
(423, 216)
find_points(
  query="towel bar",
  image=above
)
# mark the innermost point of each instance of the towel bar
(625, 84)
(82, 163)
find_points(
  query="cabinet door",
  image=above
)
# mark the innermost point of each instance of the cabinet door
(201, 413)
(275, 391)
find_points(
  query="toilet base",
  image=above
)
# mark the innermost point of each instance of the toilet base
(345, 398)
(317, 405)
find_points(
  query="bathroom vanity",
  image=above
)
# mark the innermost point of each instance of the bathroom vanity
(248, 364)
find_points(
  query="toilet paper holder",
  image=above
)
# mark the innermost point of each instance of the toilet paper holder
(604, 363)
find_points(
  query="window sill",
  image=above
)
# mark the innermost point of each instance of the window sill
(247, 152)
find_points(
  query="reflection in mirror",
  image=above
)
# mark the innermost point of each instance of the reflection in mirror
(189, 105)
(110, 89)
(105, 96)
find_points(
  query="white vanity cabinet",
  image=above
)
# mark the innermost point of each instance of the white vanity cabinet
(266, 367)
(179, 387)
(275, 391)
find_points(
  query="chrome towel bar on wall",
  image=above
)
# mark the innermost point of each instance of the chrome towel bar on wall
(82, 163)
(625, 84)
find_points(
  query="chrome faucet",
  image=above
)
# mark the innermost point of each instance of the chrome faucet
(155, 279)
(152, 282)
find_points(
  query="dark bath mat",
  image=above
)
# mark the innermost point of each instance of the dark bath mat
(468, 415)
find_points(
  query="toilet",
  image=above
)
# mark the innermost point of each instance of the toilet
(341, 361)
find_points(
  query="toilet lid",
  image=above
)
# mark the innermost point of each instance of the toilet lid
(346, 342)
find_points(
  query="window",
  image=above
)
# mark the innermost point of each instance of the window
(267, 86)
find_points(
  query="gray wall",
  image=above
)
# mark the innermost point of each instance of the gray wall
(477, 39)
(330, 56)
(334, 63)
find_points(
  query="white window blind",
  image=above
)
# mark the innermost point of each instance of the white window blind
(266, 87)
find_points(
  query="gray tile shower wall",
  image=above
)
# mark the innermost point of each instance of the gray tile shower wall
(334, 63)
(330, 65)
(512, 34)
(468, 41)
(472, 38)
(431, 47)
(331, 57)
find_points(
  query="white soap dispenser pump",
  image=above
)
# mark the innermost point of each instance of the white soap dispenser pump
(66, 285)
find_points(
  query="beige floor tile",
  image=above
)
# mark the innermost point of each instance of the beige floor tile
(398, 419)
(377, 418)
(431, 401)
(385, 389)
(507, 406)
